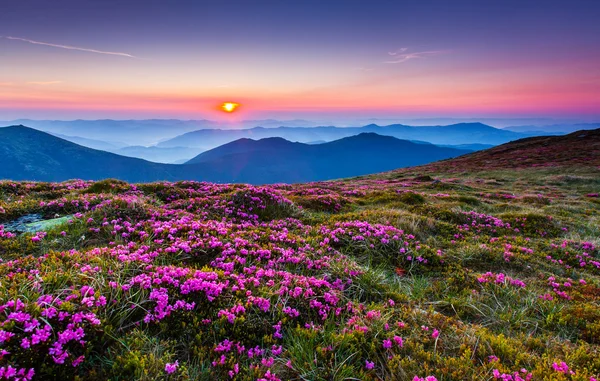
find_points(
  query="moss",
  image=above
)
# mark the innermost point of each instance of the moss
(411, 198)
(108, 186)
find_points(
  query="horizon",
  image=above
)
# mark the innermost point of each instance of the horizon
(345, 61)
(498, 123)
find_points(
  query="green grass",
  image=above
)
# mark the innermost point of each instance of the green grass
(386, 291)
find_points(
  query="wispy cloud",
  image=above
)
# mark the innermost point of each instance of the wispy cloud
(403, 55)
(6, 83)
(44, 83)
(69, 47)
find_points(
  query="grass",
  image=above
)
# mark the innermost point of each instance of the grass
(309, 281)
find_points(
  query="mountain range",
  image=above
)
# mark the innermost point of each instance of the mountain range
(462, 133)
(176, 141)
(553, 129)
(143, 132)
(279, 160)
(29, 154)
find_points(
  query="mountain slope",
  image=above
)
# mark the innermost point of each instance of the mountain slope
(92, 143)
(462, 133)
(268, 146)
(578, 149)
(28, 154)
(278, 160)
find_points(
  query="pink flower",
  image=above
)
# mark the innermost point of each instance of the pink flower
(398, 340)
(171, 367)
(562, 368)
(387, 344)
(78, 360)
(369, 365)
(435, 334)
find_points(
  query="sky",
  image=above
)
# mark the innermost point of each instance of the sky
(92, 59)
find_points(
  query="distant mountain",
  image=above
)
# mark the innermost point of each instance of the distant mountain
(462, 133)
(207, 134)
(167, 155)
(470, 147)
(553, 129)
(92, 143)
(495, 122)
(131, 132)
(160, 154)
(28, 154)
(144, 132)
(278, 160)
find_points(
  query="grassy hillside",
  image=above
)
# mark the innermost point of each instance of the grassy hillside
(580, 148)
(479, 274)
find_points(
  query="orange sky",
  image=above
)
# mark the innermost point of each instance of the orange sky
(464, 58)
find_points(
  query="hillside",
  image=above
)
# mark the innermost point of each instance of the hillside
(92, 143)
(266, 146)
(478, 274)
(461, 133)
(577, 149)
(277, 160)
(29, 154)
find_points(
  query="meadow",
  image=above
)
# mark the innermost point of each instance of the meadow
(418, 274)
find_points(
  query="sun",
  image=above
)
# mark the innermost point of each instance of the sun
(229, 106)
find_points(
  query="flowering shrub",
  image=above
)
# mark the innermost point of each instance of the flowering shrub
(337, 280)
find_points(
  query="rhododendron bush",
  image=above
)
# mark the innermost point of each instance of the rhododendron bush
(324, 281)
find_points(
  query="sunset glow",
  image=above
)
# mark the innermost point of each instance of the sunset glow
(402, 60)
(229, 106)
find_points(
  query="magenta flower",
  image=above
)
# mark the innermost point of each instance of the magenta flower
(398, 340)
(171, 367)
(562, 368)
